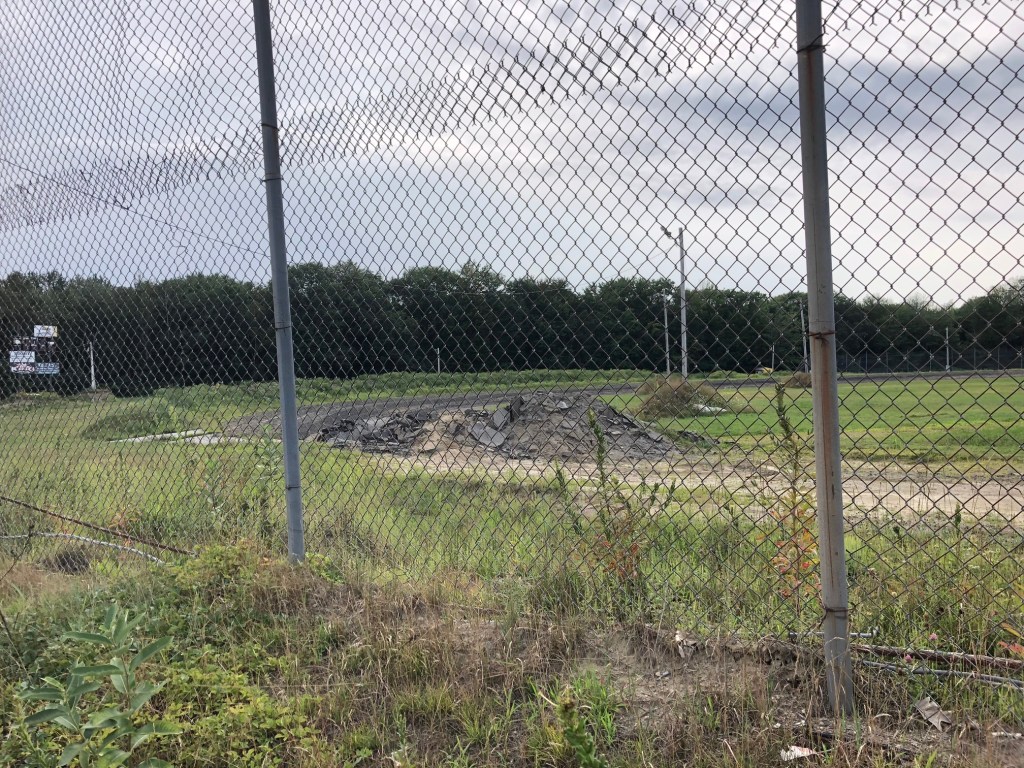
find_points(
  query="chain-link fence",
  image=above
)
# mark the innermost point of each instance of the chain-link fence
(505, 223)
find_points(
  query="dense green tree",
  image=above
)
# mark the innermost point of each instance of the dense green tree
(349, 320)
(729, 329)
(628, 324)
(344, 321)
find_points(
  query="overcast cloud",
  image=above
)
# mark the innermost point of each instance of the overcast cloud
(540, 138)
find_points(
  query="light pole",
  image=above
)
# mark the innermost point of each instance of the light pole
(92, 369)
(803, 335)
(685, 364)
(668, 354)
(947, 349)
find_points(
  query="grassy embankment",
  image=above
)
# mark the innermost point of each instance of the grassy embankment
(271, 665)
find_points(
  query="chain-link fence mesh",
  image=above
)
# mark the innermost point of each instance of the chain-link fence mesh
(496, 214)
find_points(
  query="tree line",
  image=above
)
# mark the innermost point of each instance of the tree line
(349, 321)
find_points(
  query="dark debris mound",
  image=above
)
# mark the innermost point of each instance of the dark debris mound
(537, 425)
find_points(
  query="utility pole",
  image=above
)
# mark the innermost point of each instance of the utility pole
(92, 369)
(668, 356)
(803, 335)
(822, 331)
(438, 361)
(279, 278)
(947, 349)
(685, 365)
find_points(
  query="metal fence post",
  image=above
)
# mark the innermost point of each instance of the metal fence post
(822, 330)
(279, 278)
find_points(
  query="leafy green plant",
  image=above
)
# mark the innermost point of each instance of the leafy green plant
(675, 397)
(214, 491)
(136, 420)
(232, 721)
(99, 707)
(576, 733)
(565, 500)
(599, 703)
(257, 508)
(324, 567)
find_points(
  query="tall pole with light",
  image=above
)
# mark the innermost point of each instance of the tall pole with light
(668, 353)
(803, 337)
(948, 368)
(685, 364)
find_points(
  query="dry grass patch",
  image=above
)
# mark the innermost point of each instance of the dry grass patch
(798, 380)
(674, 397)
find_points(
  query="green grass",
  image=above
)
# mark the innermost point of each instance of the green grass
(970, 424)
(708, 558)
(705, 561)
(316, 666)
(148, 418)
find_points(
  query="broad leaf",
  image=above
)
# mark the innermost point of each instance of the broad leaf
(143, 693)
(120, 732)
(71, 751)
(69, 722)
(74, 694)
(88, 637)
(113, 758)
(124, 628)
(152, 730)
(46, 715)
(106, 718)
(102, 670)
(149, 651)
(43, 693)
(119, 678)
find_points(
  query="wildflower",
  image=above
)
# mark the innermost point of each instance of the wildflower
(933, 637)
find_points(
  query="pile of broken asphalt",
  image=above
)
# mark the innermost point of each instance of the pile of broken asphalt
(536, 425)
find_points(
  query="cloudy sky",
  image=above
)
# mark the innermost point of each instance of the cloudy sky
(543, 138)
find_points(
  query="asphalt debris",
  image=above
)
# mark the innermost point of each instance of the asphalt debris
(534, 425)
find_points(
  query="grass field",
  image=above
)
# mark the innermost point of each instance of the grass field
(973, 424)
(695, 559)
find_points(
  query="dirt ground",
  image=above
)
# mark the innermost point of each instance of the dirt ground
(869, 493)
(527, 433)
(662, 676)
